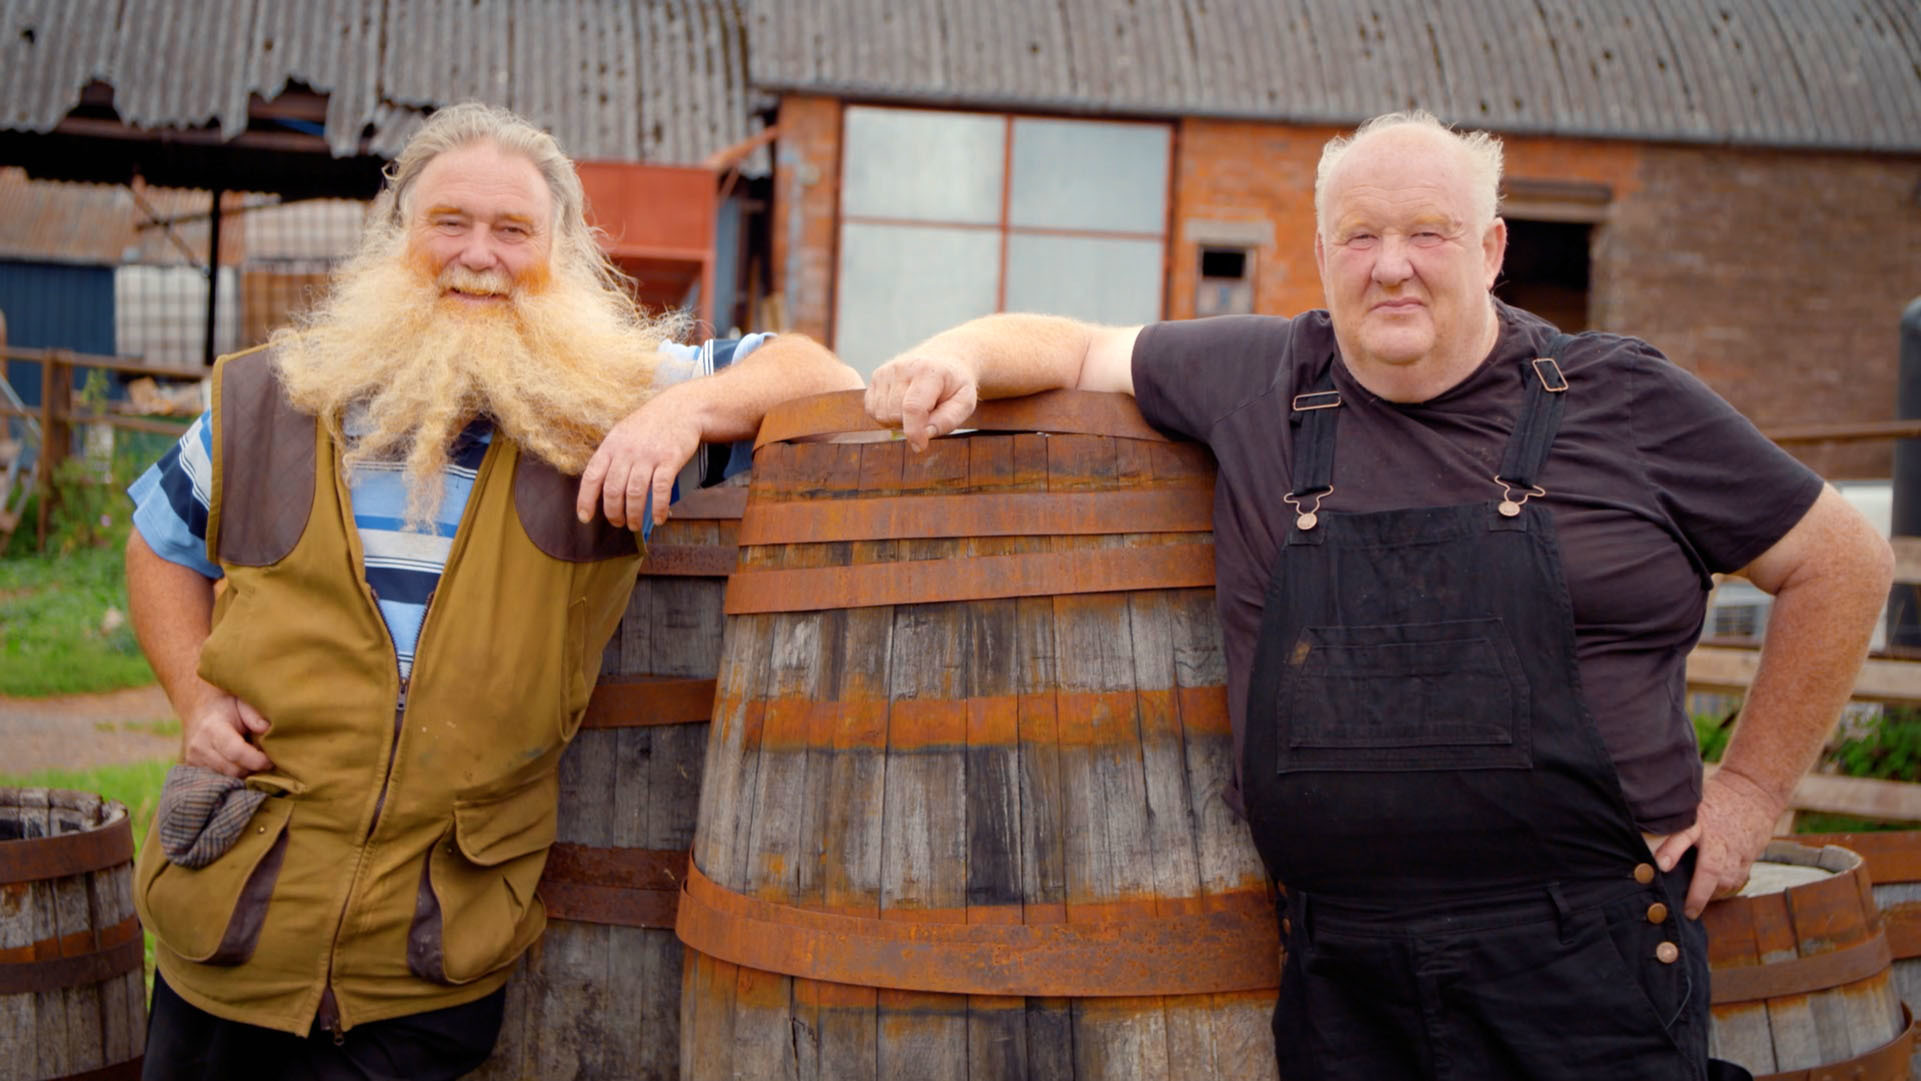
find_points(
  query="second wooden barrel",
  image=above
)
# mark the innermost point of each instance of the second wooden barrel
(962, 815)
(1801, 982)
(1894, 865)
(73, 997)
(598, 996)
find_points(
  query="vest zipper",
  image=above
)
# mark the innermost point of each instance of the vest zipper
(393, 747)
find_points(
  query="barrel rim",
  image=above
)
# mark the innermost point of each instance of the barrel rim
(1064, 412)
(108, 842)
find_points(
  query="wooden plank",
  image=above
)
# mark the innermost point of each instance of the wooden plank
(1863, 797)
(1109, 853)
(1732, 668)
(1849, 432)
(707, 1018)
(924, 838)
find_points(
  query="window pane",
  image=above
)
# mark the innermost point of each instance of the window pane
(899, 284)
(1088, 277)
(1076, 174)
(912, 163)
(1101, 279)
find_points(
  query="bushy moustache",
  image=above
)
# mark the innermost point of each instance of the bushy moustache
(493, 282)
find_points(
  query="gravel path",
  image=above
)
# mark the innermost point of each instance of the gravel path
(83, 730)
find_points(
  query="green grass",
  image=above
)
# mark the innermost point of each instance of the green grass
(137, 785)
(51, 641)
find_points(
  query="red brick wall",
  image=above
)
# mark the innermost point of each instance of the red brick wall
(1777, 276)
(806, 209)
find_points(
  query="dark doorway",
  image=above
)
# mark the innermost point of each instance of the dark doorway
(1546, 270)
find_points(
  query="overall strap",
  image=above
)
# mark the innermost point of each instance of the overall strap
(1540, 419)
(1313, 419)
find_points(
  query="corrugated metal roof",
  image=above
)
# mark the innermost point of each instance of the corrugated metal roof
(1843, 74)
(660, 81)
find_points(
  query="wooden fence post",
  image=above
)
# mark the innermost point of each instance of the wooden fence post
(56, 434)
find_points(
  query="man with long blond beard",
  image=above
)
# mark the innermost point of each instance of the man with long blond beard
(423, 499)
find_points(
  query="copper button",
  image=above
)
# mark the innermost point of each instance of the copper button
(1644, 873)
(1667, 953)
(1657, 913)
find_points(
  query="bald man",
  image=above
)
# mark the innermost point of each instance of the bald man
(1461, 560)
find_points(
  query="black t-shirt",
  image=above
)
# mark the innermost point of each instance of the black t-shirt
(1653, 482)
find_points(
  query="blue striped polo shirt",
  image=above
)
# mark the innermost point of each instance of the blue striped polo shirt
(171, 501)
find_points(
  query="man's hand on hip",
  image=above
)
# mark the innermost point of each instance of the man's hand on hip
(1733, 824)
(216, 736)
(927, 395)
(642, 454)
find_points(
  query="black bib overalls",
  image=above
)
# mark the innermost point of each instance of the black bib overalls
(1467, 896)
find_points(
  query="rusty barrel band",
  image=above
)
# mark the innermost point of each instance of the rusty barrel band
(58, 973)
(688, 561)
(640, 702)
(627, 868)
(719, 503)
(1069, 412)
(610, 905)
(624, 887)
(1894, 856)
(118, 1071)
(985, 514)
(1889, 1062)
(63, 854)
(1235, 948)
(971, 578)
(1814, 972)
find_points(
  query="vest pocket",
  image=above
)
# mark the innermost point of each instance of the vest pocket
(214, 914)
(476, 910)
(1419, 696)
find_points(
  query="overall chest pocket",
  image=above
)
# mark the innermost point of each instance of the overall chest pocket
(1448, 695)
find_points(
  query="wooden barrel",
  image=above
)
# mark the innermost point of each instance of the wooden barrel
(1800, 960)
(598, 997)
(1894, 865)
(963, 810)
(73, 996)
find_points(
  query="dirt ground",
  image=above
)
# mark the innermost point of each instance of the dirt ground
(84, 730)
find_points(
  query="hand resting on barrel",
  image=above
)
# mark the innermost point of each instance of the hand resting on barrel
(642, 453)
(928, 395)
(645, 451)
(932, 388)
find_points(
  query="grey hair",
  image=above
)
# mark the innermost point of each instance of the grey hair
(1482, 152)
(575, 245)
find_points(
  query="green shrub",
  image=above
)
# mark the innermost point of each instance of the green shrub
(1887, 747)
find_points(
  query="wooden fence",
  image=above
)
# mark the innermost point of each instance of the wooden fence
(57, 415)
(1891, 677)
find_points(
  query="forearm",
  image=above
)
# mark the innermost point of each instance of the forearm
(730, 404)
(1817, 635)
(171, 608)
(1014, 354)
